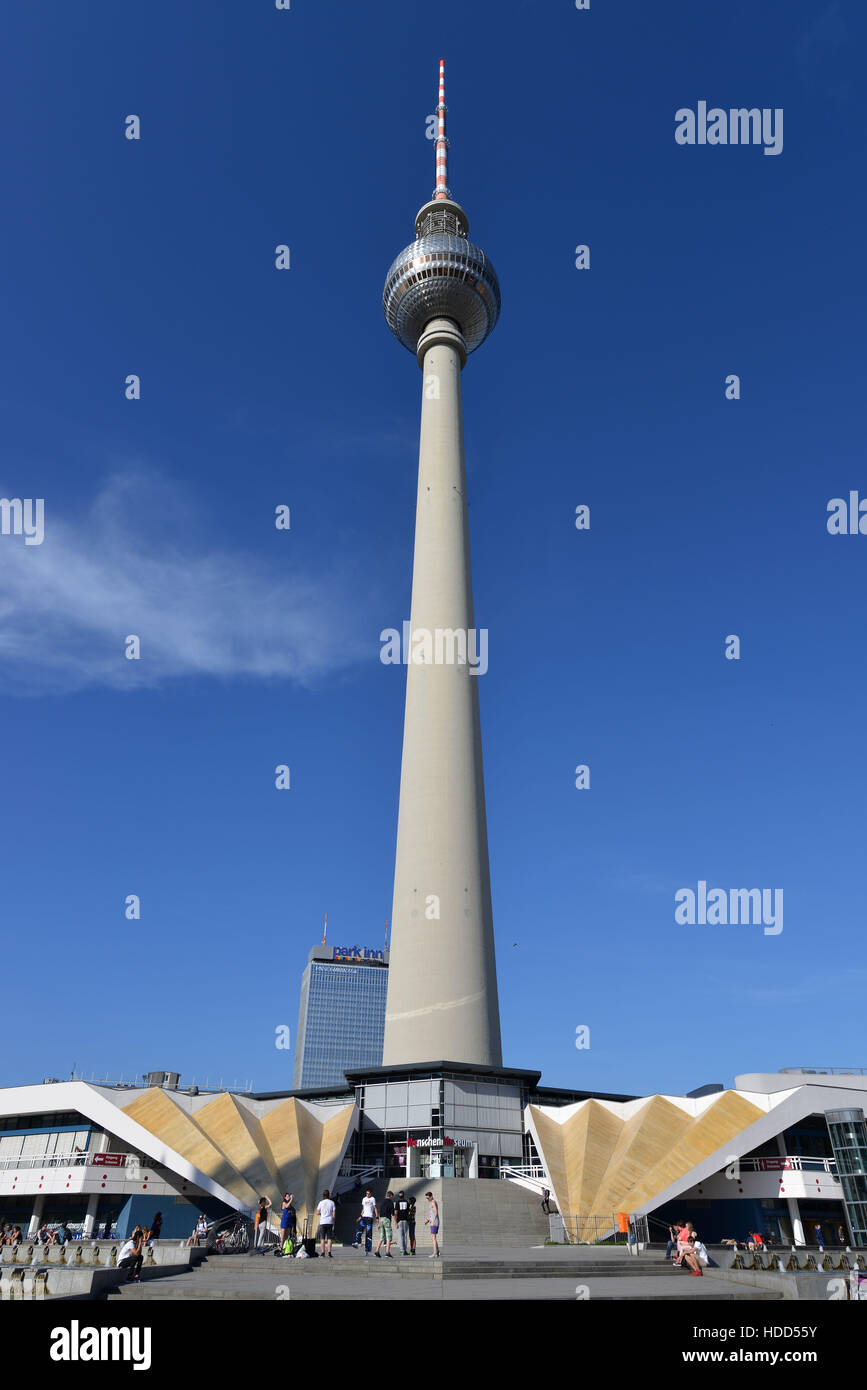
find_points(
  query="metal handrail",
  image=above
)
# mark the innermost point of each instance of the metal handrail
(532, 1174)
(370, 1170)
(73, 1160)
(141, 1083)
(799, 1163)
(655, 1221)
(590, 1230)
(824, 1071)
(224, 1220)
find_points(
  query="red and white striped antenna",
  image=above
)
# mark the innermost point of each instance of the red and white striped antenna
(441, 191)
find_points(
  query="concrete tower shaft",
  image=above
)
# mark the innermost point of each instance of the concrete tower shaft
(442, 991)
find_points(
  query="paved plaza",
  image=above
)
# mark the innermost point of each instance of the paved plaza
(543, 1273)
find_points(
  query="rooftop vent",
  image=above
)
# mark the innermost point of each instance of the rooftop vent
(167, 1079)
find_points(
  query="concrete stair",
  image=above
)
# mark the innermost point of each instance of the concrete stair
(473, 1213)
(580, 1269)
(553, 1273)
(257, 1277)
(491, 1212)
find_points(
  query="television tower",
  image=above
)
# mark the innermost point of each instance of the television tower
(441, 300)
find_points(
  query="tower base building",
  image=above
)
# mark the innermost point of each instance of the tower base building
(784, 1155)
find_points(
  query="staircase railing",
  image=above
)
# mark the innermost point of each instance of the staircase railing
(532, 1174)
(593, 1230)
(346, 1180)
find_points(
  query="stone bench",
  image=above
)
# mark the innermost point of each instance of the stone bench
(724, 1256)
(837, 1259)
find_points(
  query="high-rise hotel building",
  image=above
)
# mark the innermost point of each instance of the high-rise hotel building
(341, 1021)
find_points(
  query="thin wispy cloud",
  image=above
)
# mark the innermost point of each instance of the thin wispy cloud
(137, 562)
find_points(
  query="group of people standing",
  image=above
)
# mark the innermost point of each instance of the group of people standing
(393, 1211)
(288, 1223)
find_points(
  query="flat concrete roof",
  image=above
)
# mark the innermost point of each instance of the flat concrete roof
(559, 1095)
(435, 1068)
(308, 1093)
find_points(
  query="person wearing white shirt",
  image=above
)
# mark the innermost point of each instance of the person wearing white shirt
(368, 1216)
(695, 1255)
(132, 1255)
(326, 1210)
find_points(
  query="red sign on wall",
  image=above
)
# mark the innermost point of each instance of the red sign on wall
(108, 1160)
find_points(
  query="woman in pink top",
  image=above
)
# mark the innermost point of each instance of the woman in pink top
(683, 1236)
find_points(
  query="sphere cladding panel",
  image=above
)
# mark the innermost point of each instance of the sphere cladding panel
(441, 276)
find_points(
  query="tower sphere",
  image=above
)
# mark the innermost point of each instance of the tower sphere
(441, 275)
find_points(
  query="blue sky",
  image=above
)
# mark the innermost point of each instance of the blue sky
(259, 647)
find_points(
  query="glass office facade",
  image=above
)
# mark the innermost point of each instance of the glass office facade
(440, 1126)
(341, 1022)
